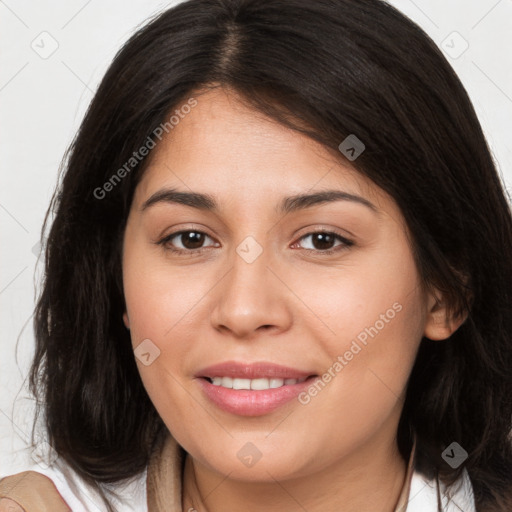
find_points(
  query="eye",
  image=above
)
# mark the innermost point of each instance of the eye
(191, 241)
(322, 242)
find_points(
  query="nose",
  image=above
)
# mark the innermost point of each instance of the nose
(252, 298)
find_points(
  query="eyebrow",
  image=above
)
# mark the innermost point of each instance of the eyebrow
(288, 204)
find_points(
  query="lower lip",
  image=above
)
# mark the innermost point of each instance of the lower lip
(248, 402)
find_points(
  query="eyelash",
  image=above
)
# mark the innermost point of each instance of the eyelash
(346, 243)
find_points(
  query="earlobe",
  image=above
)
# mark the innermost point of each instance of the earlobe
(439, 324)
(126, 320)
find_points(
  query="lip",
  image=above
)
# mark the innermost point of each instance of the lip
(248, 402)
(255, 370)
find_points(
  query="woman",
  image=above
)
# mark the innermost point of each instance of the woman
(278, 276)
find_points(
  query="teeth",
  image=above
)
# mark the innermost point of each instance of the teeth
(226, 382)
(276, 383)
(260, 384)
(255, 384)
(239, 383)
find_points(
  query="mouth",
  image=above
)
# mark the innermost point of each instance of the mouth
(252, 371)
(260, 384)
(252, 389)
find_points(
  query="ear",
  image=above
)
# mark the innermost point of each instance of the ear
(439, 324)
(126, 320)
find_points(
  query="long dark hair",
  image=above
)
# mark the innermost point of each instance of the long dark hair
(326, 68)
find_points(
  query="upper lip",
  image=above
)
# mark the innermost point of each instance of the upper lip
(255, 370)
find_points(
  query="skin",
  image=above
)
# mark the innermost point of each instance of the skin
(8, 505)
(290, 306)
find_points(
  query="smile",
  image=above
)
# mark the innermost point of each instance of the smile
(252, 389)
(254, 384)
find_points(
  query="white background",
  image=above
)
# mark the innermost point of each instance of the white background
(42, 101)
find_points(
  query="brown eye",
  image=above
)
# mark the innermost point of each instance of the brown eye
(324, 242)
(191, 239)
(185, 241)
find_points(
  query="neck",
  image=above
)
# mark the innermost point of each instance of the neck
(368, 480)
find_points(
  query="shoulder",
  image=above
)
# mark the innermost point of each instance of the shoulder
(30, 491)
(425, 494)
(58, 488)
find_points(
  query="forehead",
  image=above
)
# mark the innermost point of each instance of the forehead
(224, 148)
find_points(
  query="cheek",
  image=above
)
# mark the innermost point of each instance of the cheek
(163, 304)
(373, 324)
(365, 378)
(158, 296)
(374, 296)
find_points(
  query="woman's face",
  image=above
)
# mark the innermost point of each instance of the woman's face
(263, 293)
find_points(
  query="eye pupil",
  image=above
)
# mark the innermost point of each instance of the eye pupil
(194, 238)
(325, 240)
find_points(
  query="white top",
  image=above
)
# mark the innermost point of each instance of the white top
(81, 498)
(423, 495)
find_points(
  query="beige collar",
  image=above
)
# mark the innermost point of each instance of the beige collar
(164, 476)
(165, 470)
(403, 499)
